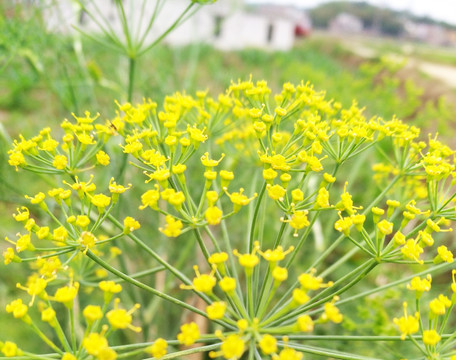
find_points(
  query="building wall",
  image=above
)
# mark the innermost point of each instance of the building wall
(224, 25)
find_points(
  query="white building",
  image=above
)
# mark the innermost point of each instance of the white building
(225, 24)
(346, 23)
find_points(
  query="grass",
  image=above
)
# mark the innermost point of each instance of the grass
(39, 88)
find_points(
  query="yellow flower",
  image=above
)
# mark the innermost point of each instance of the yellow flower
(385, 227)
(202, 282)
(68, 356)
(110, 286)
(269, 175)
(332, 313)
(16, 159)
(60, 162)
(35, 287)
(239, 199)
(17, 308)
(210, 163)
(121, 318)
(216, 310)
(273, 256)
(82, 221)
(276, 192)
(346, 202)
(189, 334)
(211, 197)
(299, 297)
(218, 258)
(299, 221)
(408, 325)
(329, 178)
(92, 313)
(343, 225)
(228, 285)
(297, 195)
(154, 158)
(130, 225)
(439, 305)
(213, 215)
(87, 240)
(102, 158)
(288, 354)
(37, 199)
(177, 199)
(172, 228)
(399, 238)
(226, 177)
(150, 198)
(248, 261)
(158, 349)
(305, 323)
(22, 214)
(420, 285)
(101, 201)
(279, 274)
(412, 250)
(431, 337)
(9, 255)
(66, 294)
(443, 255)
(48, 315)
(268, 344)
(95, 343)
(322, 199)
(232, 347)
(115, 188)
(179, 169)
(10, 349)
(310, 282)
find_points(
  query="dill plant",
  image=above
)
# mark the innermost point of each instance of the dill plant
(236, 186)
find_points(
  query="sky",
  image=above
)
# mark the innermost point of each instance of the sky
(443, 10)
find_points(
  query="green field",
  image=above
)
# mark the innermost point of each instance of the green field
(45, 77)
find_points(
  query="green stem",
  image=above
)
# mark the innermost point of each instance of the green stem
(171, 28)
(131, 77)
(439, 268)
(73, 333)
(188, 352)
(45, 338)
(135, 282)
(151, 252)
(254, 218)
(366, 268)
(333, 354)
(356, 337)
(250, 305)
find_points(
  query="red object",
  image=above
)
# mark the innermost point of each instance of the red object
(301, 31)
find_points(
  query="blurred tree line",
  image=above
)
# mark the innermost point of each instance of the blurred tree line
(376, 19)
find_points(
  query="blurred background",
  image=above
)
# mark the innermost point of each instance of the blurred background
(396, 58)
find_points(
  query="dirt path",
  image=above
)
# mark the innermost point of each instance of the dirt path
(443, 73)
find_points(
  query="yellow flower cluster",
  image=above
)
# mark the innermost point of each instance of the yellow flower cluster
(246, 170)
(438, 311)
(226, 306)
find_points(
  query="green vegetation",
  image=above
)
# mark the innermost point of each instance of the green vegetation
(381, 19)
(340, 118)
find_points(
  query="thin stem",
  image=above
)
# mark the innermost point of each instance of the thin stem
(135, 282)
(131, 77)
(195, 350)
(254, 219)
(151, 252)
(327, 353)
